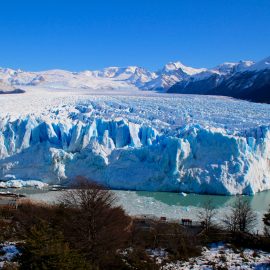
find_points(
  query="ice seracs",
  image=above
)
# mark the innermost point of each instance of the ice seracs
(129, 156)
(141, 142)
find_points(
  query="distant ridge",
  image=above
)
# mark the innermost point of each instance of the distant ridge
(243, 79)
(7, 89)
(250, 82)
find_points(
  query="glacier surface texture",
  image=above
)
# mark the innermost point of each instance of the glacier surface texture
(148, 141)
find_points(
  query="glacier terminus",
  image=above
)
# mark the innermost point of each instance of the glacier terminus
(136, 140)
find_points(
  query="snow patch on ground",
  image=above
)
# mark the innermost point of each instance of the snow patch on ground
(220, 256)
(8, 252)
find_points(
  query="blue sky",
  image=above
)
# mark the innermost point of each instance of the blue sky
(79, 35)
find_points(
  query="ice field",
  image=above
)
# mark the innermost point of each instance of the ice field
(136, 140)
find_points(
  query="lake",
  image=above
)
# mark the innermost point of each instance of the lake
(171, 205)
(259, 202)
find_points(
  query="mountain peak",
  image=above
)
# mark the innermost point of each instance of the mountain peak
(177, 66)
(174, 65)
(128, 76)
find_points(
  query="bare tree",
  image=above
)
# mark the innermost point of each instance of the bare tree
(241, 218)
(97, 226)
(87, 195)
(207, 214)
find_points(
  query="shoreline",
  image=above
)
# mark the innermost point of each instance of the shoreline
(136, 204)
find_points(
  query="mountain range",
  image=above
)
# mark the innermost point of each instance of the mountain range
(243, 79)
(111, 77)
(246, 80)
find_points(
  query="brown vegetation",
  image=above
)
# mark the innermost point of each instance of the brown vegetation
(87, 230)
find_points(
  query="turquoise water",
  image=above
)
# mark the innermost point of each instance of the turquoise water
(259, 202)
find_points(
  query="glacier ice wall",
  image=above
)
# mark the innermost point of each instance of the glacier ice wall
(125, 155)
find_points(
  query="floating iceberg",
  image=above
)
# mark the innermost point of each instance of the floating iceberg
(23, 183)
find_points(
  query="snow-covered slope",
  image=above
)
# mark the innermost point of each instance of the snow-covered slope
(116, 77)
(224, 69)
(5, 87)
(133, 75)
(108, 78)
(232, 67)
(261, 65)
(246, 80)
(170, 74)
(136, 140)
(8, 89)
(55, 79)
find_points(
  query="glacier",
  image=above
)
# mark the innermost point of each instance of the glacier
(153, 142)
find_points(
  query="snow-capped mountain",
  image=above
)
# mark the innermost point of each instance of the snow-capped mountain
(177, 67)
(187, 79)
(232, 67)
(245, 80)
(136, 76)
(170, 74)
(111, 77)
(60, 79)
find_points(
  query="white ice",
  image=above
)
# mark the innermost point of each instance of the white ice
(131, 139)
